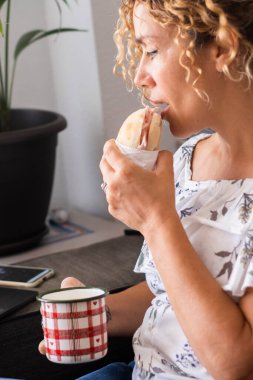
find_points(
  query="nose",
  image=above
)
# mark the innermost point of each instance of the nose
(143, 78)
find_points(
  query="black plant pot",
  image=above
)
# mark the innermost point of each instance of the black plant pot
(27, 162)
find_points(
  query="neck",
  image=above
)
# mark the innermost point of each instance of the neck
(234, 126)
(228, 154)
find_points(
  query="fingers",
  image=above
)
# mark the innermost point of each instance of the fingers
(164, 164)
(114, 163)
(113, 156)
(106, 170)
(70, 282)
(42, 348)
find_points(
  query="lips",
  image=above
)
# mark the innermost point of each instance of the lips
(161, 106)
(157, 103)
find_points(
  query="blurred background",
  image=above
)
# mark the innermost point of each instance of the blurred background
(72, 74)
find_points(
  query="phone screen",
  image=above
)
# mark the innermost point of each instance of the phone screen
(21, 274)
(13, 299)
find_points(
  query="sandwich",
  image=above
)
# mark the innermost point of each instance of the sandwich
(141, 130)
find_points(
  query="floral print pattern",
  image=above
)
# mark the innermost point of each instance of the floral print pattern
(187, 357)
(221, 212)
(245, 209)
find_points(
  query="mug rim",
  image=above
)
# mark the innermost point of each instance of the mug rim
(40, 296)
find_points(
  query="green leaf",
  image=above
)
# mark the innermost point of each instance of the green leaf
(64, 1)
(25, 40)
(58, 4)
(2, 3)
(35, 35)
(1, 28)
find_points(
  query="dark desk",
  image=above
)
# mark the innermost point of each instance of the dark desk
(109, 264)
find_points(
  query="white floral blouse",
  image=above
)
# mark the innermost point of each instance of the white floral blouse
(218, 218)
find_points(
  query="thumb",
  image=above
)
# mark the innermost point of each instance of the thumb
(70, 282)
(164, 164)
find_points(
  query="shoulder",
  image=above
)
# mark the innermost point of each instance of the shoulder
(183, 156)
(186, 149)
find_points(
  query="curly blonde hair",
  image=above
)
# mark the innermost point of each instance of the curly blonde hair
(198, 22)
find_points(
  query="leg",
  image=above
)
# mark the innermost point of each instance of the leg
(114, 371)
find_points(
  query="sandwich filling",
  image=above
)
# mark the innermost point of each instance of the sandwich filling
(145, 128)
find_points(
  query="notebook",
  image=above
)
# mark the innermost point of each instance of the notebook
(12, 299)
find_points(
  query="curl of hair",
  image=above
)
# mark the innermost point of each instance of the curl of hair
(198, 23)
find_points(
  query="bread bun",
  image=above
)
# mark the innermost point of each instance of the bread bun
(142, 130)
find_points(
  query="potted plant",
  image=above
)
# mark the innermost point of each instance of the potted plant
(28, 140)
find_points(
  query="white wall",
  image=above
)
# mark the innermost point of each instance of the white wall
(117, 102)
(72, 74)
(76, 82)
(34, 73)
(61, 74)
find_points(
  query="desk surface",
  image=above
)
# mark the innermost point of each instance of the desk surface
(103, 230)
(108, 264)
(105, 258)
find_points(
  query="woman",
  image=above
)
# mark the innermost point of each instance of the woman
(196, 57)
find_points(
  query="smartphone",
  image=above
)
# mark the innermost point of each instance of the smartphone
(12, 299)
(23, 276)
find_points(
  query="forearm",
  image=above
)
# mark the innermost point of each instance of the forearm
(213, 323)
(127, 309)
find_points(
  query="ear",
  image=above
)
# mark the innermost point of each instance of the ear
(227, 48)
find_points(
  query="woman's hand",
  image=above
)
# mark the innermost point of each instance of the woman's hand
(139, 198)
(68, 282)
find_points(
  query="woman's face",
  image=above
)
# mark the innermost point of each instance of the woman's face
(161, 73)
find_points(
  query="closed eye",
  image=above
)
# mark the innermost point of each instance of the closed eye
(151, 53)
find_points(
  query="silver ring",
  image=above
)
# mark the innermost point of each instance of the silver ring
(104, 186)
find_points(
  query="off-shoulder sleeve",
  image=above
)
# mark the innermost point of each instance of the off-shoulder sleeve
(241, 277)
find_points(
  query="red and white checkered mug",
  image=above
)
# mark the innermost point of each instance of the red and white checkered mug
(74, 324)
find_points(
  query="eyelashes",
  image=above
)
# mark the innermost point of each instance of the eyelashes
(151, 53)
